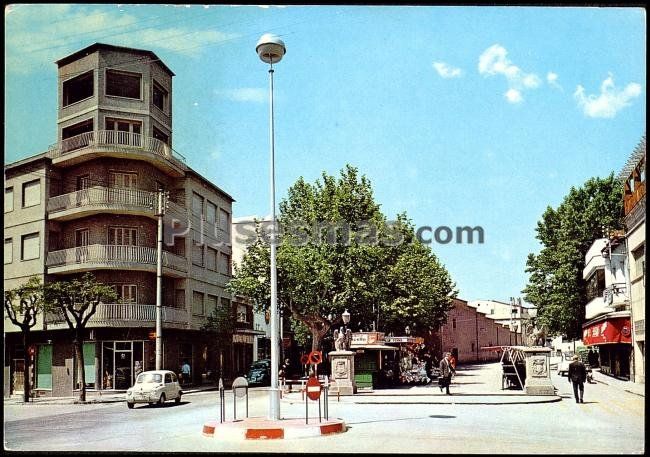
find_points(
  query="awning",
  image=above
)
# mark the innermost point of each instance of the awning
(607, 331)
(375, 347)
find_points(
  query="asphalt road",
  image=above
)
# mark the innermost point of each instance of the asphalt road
(610, 421)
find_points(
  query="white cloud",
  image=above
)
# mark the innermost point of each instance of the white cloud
(40, 34)
(244, 94)
(551, 79)
(447, 71)
(610, 100)
(494, 61)
(513, 96)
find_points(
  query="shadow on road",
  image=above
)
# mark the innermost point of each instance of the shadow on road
(435, 416)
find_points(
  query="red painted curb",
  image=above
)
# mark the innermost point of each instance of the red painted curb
(332, 428)
(264, 433)
(208, 430)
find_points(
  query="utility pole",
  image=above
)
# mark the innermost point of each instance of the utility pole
(160, 213)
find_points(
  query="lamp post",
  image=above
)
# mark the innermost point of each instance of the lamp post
(271, 49)
(346, 319)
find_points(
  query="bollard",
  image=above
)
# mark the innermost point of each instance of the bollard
(222, 400)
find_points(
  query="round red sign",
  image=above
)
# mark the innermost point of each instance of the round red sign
(313, 388)
(315, 357)
(304, 359)
(625, 331)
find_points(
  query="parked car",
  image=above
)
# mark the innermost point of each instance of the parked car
(563, 364)
(259, 373)
(152, 387)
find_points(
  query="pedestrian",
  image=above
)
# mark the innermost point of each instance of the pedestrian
(577, 375)
(446, 372)
(186, 371)
(592, 358)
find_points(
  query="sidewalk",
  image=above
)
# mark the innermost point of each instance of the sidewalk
(627, 386)
(478, 384)
(113, 396)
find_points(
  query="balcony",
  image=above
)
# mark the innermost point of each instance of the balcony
(612, 297)
(104, 257)
(125, 315)
(99, 199)
(122, 145)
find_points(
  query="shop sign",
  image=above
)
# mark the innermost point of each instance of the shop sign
(616, 330)
(363, 338)
(245, 339)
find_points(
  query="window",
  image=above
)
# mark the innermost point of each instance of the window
(30, 246)
(596, 285)
(159, 135)
(225, 302)
(123, 180)
(197, 303)
(9, 199)
(211, 261)
(242, 315)
(197, 254)
(639, 261)
(453, 323)
(224, 264)
(123, 84)
(224, 221)
(78, 88)
(210, 304)
(126, 293)
(9, 250)
(159, 97)
(168, 378)
(77, 129)
(210, 212)
(32, 193)
(123, 131)
(630, 183)
(122, 236)
(197, 204)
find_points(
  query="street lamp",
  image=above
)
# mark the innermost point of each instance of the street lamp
(271, 49)
(346, 318)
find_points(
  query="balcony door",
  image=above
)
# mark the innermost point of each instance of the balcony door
(123, 185)
(81, 245)
(121, 240)
(83, 184)
(124, 131)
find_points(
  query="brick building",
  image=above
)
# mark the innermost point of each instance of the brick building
(89, 204)
(467, 330)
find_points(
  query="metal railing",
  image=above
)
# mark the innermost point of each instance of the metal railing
(114, 254)
(103, 196)
(116, 140)
(118, 312)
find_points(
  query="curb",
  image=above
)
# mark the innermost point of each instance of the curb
(265, 429)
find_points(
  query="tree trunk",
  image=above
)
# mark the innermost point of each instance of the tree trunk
(26, 360)
(81, 371)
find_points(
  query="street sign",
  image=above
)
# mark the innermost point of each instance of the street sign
(315, 357)
(304, 359)
(313, 388)
(239, 386)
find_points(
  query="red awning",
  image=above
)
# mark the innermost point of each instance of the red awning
(613, 330)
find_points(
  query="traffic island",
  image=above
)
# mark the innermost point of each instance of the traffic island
(261, 428)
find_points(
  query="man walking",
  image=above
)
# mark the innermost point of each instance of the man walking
(577, 375)
(446, 371)
(186, 371)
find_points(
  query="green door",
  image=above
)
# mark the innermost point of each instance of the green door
(89, 363)
(44, 367)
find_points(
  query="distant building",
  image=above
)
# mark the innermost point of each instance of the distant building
(514, 314)
(634, 202)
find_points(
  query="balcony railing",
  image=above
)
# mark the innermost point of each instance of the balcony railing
(114, 314)
(114, 255)
(103, 197)
(116, 140)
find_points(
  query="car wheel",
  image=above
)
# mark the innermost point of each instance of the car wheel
(162, 399)
(178, 399)
(130, 405)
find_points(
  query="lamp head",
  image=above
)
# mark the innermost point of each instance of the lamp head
(270, 48)
(346, 317)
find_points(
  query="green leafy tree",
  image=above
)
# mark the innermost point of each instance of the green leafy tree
(76, 300)
(220, 324)
(338, 252)
(555, 285)
(22, 306)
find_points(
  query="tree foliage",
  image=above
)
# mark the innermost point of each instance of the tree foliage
(337, 251)
(555, 284)
(22, 306)
(76, 301)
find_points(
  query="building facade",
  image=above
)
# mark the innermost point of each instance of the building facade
(634, 203)
(607, 313)
(90, 203)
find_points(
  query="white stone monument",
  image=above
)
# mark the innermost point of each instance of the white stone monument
(538, 372)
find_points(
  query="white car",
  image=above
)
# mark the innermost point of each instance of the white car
(563, 365)
(154, 387)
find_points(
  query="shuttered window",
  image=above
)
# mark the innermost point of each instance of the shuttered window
(197, 303)
(30, 246)
(32, 193)
(9, 199)
(44, 367)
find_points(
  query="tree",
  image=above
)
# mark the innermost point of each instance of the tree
(22, 306)
(337, 251)
(555, 284)
(220, 324)
(76, 300)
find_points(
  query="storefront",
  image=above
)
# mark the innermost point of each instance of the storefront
(611, 334)
(369, 360)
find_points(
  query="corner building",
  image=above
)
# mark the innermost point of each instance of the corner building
(89, 204)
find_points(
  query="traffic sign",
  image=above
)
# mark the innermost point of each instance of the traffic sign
(304, 360)
(313, 388)
(315, 357)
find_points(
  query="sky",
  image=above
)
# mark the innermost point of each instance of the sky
(459, 116)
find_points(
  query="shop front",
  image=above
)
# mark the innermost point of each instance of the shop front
(371, 359)
(611, 334)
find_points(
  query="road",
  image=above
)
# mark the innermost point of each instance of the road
(610, 421)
